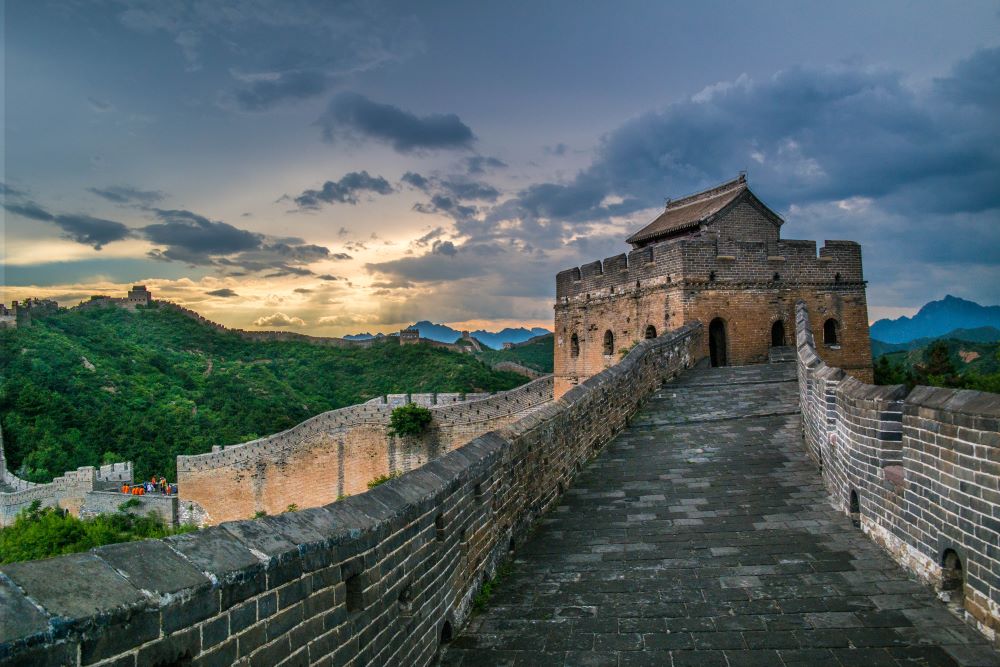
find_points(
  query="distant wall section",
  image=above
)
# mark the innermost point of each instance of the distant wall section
(68, 491)
(337, 453)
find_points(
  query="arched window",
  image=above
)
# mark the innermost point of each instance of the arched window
(650, 331)
(830, 331)
(609, 343)
(777, 333)
(854, 507)
(953, 578)
(574, 346)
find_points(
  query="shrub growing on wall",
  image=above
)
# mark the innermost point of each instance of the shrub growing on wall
(410, 419)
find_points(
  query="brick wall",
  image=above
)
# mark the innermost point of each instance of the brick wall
(66, 491)
(924, 469)
(336, 454)
(376, 578)
(108, 502)
(747, 284)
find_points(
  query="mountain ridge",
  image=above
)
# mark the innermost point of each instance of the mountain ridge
(445, 334)
(935, 319)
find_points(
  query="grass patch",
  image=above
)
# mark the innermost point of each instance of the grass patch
(486, 592)
(382, 479)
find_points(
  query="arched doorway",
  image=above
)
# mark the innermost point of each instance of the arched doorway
(830, 329)
(777, 333)
(609, 343)
(650, 331)
(574, 346)
(717, 342)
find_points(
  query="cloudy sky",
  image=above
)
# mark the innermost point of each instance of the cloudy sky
(341, 167)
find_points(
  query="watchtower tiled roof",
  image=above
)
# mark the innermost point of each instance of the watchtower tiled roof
(693, 210)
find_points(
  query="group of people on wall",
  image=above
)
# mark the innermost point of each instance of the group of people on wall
(155, 484)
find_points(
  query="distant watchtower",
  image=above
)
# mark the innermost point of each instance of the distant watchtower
(138, 296)
(716, 257)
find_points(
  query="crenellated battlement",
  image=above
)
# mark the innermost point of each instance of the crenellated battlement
(917, 471)
(694, 261)
(337, 453)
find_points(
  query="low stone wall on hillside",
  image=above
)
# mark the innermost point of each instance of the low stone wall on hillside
(69, 491)
(109, 502)
(336, 454)
(380, 578)
(919, 473)
(428, 400)
(515, 367)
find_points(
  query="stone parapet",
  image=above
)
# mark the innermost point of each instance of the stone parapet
(67, 491)
(700, 260)
(378, 578)
(919, 473)
(337, 453)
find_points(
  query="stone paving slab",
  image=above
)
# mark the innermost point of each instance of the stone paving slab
(703, 536)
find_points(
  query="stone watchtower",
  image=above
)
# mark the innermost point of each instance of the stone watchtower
(716, 257)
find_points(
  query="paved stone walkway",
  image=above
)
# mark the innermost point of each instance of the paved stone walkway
(703, 536)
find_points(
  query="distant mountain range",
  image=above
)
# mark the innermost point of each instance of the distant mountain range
(936, 319)
(977, 335)
(445, 334)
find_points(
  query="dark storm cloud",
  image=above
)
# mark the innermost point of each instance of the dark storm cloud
(8, 191)
(974, 80)
(355, 115)
(277, 54)
(197, 235)
(480, 164)
(264, 93)
(192, 238)
(435, 233)
(29, 210)
(843, 152)
(344, 191)
(96, 232)
(297, 250)
(474, 190)
(125, 194)
(444, 262)
(416, 180)
(450, 196)
(806, 134)
(444, 205)
(225, 293)
(85, 229)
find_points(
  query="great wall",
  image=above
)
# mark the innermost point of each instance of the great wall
(337, 453)
(382, 577)
(324, 458)
(666, 507)
(316, 462)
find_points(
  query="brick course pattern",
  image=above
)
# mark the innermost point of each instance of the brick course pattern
(920, 473)
(377, 578)
(337, 453)
(735, 269)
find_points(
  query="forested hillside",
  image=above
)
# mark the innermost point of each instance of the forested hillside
(87, 387)
(945, 362)
(536, 354)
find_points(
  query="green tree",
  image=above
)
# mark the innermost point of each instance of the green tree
(409, 419)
